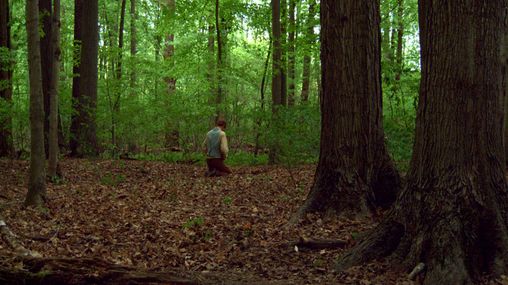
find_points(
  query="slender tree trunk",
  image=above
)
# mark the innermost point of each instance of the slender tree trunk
(309, 39)
(220, 66)
(83, 135)
(172, 134)
(36, 182)
(134, 44)
(212, 64)
(276, 74)
(45, 11)
(355, 173)
(119, 86)
(452, 215)
(292, 53)
(53, 115)
(399, 59)
(6, 143)
(284, 54)
(74, 143)
(262, 88)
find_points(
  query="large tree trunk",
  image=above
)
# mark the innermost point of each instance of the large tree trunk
(309, 39)
(83, 128)
(45, 14)
(276, 74)
(6, 144)
(452, 215)
(291, 53)
(53, 115)
(355, 172)
(36, 182)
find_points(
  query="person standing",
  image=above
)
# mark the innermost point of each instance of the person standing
(217, 150)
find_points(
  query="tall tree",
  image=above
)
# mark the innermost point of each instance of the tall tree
(172, 133)
(115, 110)
(53, 115)
(220, 61)
(452, 215)
(45, 14)
(6, 144)
(83, 126)
(276, 72)
(36, 182)
(284, 55)
(355, 172)
(309, 40)
(134, 44)
(291, 53)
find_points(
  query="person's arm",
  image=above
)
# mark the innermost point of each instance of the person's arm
(224, 145)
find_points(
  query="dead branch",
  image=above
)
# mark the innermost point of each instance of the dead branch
(316, 244)
(89, 271)
(12, 241)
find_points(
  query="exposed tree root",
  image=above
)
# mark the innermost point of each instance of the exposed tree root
(457, 240)
(379, 242)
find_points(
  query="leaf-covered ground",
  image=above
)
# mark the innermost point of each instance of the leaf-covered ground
(160, 216)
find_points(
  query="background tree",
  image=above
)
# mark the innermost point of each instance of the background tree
(6, 143)
(452, 213)
(291, 53)
(53, 169)
(36, 182)
(45, 14)
(277, 72)
(309, 39)
(83, 131)
(354, 172)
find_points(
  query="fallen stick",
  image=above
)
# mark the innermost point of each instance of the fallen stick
(12, 241)
(314, 244)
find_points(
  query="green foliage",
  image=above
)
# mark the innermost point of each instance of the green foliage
(111, 179)
(194, 223)
(227, 200)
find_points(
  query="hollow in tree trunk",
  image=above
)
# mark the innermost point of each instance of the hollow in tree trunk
(452, 214)
(355, 173)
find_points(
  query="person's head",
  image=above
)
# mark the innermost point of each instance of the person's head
(221, 124)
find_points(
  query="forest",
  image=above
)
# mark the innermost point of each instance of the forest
(253, 142)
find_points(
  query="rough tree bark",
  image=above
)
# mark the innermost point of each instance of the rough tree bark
(6, 143)
(53, 91)
(309, 39)
(37, 176)
(83, 126)
(355, 173)
(452, 214)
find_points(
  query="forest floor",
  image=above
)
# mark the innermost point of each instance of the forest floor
(160, 216)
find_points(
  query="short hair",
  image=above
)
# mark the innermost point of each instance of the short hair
(221, 123)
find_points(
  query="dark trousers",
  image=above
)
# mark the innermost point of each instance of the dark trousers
(218, 165)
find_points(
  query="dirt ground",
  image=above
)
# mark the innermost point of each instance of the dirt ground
(160, 216)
